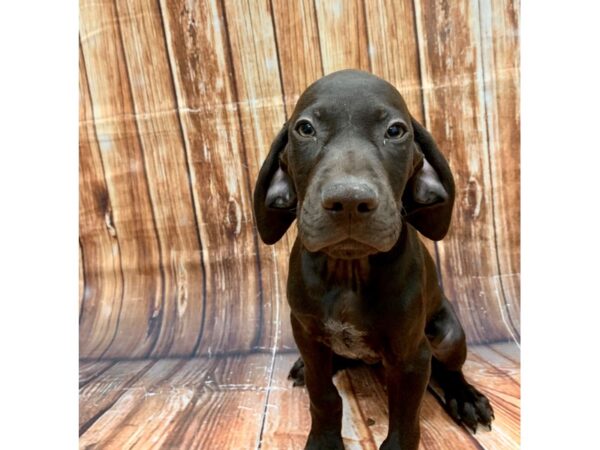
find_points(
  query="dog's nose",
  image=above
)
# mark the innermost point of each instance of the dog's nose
(355, 198)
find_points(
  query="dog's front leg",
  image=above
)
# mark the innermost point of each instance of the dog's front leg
(325, 402)
(406, 380)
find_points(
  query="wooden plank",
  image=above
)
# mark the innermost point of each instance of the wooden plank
(371, 400)
(500, 385)
(297, 34)
(159, 197)
(393, 50)
(88, 370)
(131, 217)
(197, 48)
(287, 418)
(438, 431)
(228, 411)
(507, 349)
(259, 95)
(342, 35)
(116, 395)
(167, 406)
(500, 58)
(164, 160)
(219, 403)
(508, 366)
(356, 424)
(452, 82)
(99, 395)
(365, 422)
(102, 298)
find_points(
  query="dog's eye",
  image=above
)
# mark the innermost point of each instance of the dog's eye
(395, 130)
(305, 129)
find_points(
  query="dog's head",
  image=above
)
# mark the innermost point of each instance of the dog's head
(351, 164)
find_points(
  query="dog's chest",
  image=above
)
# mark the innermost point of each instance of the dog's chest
(346, 329)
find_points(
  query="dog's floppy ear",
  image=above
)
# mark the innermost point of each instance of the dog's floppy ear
(274, 195)
(429, 195)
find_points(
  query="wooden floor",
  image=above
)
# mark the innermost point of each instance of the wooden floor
(246, 402)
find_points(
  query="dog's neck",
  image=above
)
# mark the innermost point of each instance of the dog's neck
(352, 272)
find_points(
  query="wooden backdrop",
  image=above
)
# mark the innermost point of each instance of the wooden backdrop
(179, 101)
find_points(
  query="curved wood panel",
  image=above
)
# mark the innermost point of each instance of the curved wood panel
(208, 114)
(179, 103)
(500, 45)
(166, 166)
(455, 113)
(253, 56)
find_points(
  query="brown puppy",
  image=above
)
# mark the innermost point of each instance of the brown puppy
(361, 176)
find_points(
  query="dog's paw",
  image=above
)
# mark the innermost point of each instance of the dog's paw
(326, 441)
(297, 373)
(468, 406)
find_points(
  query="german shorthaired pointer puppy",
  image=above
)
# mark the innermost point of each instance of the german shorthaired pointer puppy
(362, 176)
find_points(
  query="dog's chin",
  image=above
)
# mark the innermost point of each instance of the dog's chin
(347, 246)
(349, 249)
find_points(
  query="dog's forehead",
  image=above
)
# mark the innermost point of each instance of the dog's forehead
(350, 91)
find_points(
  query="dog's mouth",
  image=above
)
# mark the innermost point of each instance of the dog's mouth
(349, 249)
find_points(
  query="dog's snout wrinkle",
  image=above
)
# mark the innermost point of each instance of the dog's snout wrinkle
(354, 199)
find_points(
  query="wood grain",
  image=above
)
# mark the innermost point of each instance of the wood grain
(511, 352)
(261, 116)
(500, 355)
(500, 383)
(180, 309)
(393, 48)
(298, 51)
(287, 414)
(208, 111)
(235, 403)
(228, 408)
(122, 390)
(437, 429)
(342, 34)
(128, 210)
(452, 74)
(97, 397)
(500, 60)
(100, 250)
(88, 370)
(179, 103)
(201, 403)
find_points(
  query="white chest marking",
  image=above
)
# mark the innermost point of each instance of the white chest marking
(348, 341)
